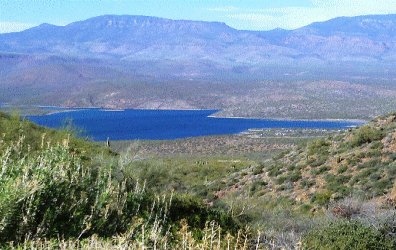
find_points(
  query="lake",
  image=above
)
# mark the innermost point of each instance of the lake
(99, 124)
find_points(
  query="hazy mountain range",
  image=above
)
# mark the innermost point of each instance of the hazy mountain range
(130, 38)
(105, 55)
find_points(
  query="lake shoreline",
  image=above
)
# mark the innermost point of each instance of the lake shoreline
(294, 119)
(167, 124)
(73, 109)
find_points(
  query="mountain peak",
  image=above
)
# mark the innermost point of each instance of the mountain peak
(368, 24)
(43, 26)
(137, 21)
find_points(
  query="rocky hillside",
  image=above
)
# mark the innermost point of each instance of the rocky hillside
(358, 162)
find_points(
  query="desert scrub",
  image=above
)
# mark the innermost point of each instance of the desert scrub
(346, 235)
(275, 169)
(319, 146)
(35, 138)
(342, 169)
(321, 198)
(320, 170)
(257, 186)
(53, 193)
(307, 183)
(258, 169)
(366, 134)
(370, 164)
(213, 238)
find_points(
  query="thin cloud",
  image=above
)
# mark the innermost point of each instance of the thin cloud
(7, 27)
(357, 6)
(286, 18)
(295, 17)
(256, 21)
(223, 9)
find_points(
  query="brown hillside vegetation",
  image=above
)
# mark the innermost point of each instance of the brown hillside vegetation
(358, 162)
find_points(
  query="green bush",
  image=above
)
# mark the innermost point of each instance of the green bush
(305, 183)
(321, 170)
(318, 161)
(345, 236)
(280, 155)
(281, 179)
(392, 156)
(257, 186)
(335, 183)
(353, 160)
(289, 177)
(369, 164)
(391, 169)
(366, 134)
(258, 170)
(281, 188)
(320, 146)
(305, 208)
(295, 176)
(342, 169)
(337, 179)
(377, 145)
(366, 173)
(291, 167)
(380, 187)
(274, 170)
(196, 213)
(373, 153)
(321, 198)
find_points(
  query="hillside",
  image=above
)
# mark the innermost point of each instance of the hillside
(358, 162)
(34, 137)
(59, 191)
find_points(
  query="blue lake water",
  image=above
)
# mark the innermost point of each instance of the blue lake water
(100, 124)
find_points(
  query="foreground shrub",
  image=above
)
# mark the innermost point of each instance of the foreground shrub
(213, 238)
(53, 193)
(346, 235)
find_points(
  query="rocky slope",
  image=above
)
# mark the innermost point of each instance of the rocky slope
(359, 162)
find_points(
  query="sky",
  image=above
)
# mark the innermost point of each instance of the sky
(17, 15)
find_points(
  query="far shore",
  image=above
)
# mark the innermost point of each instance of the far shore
(214, 115)
(293, 119)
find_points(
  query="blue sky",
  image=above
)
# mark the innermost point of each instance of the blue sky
(16, 15)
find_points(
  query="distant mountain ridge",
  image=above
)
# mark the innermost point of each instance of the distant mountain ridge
(363, 38)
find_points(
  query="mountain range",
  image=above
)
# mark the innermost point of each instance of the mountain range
(130, 38)
(99, 57)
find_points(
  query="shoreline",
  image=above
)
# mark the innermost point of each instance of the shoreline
(295, 119)
(74, 109)
(61, 109)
